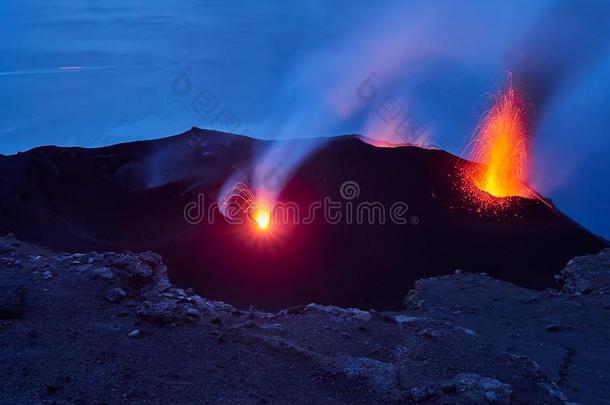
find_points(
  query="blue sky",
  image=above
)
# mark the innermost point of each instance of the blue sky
(78, 73)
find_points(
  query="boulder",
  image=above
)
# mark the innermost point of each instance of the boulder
(115, 294)
(586, 275)
(476, 389)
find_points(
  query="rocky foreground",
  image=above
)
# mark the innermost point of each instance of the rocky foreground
(110, 328)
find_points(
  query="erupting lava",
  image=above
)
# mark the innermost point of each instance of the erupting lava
(262, 216)
(239, 201)
(502, 148)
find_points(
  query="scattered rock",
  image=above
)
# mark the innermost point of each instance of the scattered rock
(555, 327)
(115, 294)
(419, 394)
(192, 314)
(6, 247)
(103, 273)
(168, 311)
(467, 331)
(430, 333)
(134, 333)
(554, 391)
(142, 270)
(47, 275)
(275, 327)
(160, 312)
(383, 377)
(406, 318)
(476, 389)
(295, 310)
(362, 316)
(213, 307)
(353, 313)
(389, 360)
(586, 275)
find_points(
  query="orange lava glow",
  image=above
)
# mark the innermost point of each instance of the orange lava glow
(262, 216)
(502, 148)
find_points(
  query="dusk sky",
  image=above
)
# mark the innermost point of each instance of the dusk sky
(77, 74)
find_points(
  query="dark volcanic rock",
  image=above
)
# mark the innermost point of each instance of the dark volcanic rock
(587, 275)
(133, 197)
(419, 394)
(475, 389)
(564, 331)
(115, 294)
(162, 344)
(6, 247)
(168, 311)
(12, 302)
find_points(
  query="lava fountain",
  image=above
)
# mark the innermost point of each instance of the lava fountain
(239, 202)
(261, 215)
(502, 148)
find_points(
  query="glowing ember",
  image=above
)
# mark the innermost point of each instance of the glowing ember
(237, 201)
(261, 216)
(502, 147)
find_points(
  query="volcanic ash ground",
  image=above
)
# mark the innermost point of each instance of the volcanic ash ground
(110, 327)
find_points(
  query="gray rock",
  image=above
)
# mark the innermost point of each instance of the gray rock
(103, 273)
(134, 333)
(141, 266)
(419, 394)
(476, 389)
(412, 300)
(83, 268)
(6, 247)
(143, 270)
(168, 311)
(407, 318)
(430, 333)
(160, 312)
(115, 294)
(383, 377)
(47, 275)
(353, 313)
(192, 313)
(555, 327)
(586, 275)
(554, 391)
(212, 308)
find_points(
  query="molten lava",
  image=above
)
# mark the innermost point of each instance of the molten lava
(238, 202)
(502, 148)
(262, 216)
